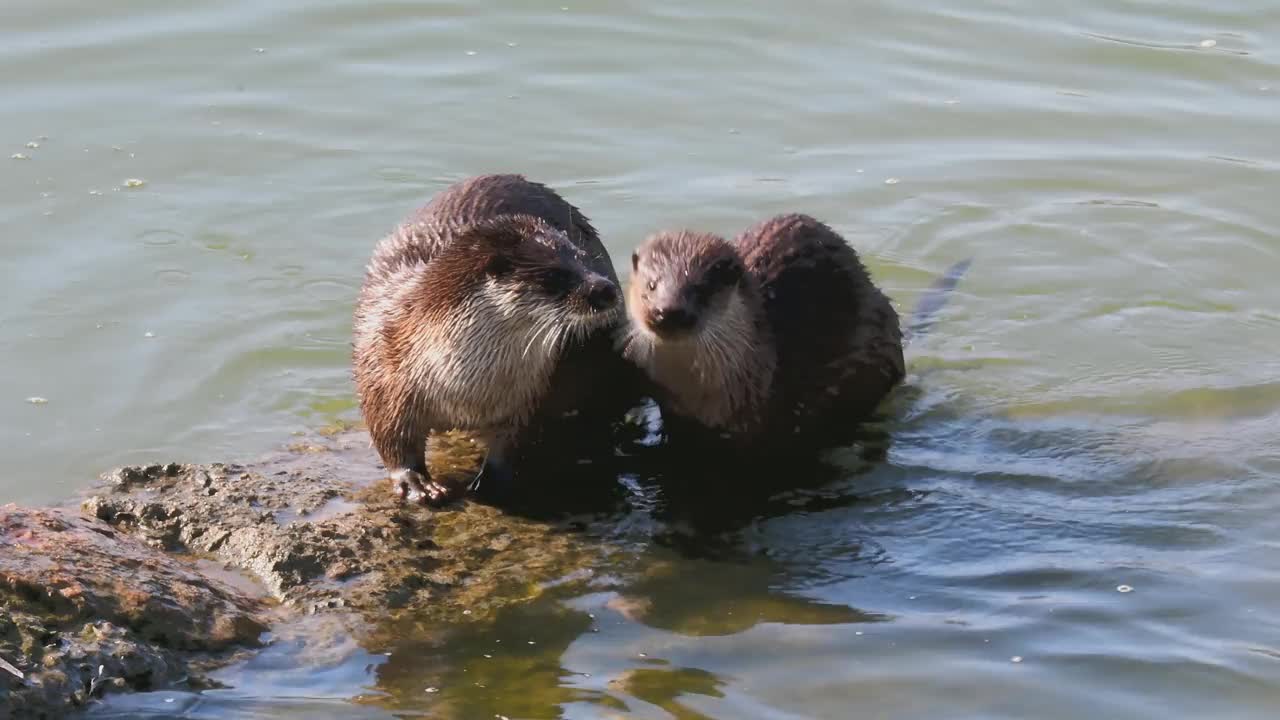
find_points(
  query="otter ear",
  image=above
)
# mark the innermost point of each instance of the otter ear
(498, 265)
(635, 260)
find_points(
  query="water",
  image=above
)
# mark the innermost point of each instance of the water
(1096, 408)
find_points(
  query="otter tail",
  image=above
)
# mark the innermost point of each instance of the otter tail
(934, 299)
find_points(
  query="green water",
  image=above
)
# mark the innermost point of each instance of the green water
(1096, 408)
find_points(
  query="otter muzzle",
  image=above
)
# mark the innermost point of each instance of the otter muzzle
(671, 321)
(601, 294)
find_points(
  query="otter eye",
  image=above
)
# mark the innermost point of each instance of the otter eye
(723, 273)
(498, 266)
(635, 261)
(557, 281)
(653, 284)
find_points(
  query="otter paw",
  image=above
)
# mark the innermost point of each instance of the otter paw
(408, 483)
(413, 486)
(435, 493)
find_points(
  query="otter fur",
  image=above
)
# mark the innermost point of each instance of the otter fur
(775, 341)
(490, 310)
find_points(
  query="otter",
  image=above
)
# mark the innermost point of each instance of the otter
(777, 341)
(490, 310)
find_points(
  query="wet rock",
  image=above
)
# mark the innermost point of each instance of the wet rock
(171, 569)
(319, 527)
(86, 609)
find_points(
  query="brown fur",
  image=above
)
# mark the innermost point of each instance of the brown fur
(468, 311)
(807, 347)
(720, 371)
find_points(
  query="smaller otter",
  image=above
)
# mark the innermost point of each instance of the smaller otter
(469, 317)
(776, 341)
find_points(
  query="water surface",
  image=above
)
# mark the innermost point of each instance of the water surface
(1094, 411)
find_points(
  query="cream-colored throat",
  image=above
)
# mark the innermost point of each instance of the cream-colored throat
(492, 360)
(722, 376)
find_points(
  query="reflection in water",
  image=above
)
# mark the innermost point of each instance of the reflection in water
(510, 666)
(722, 597)
(312, 669)
(706, 492)
(664, 688)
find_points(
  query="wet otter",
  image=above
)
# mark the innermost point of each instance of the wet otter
(778, 339)
(490, 310)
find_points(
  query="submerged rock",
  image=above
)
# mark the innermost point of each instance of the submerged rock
(86, 609)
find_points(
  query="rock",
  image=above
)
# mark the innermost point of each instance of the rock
(319, 526)
(166, 572)
(88, 609)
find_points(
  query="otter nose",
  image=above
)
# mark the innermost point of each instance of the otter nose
(601, 294)
(671, 319)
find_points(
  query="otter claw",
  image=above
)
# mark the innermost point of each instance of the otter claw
(408, 484)
(413, 486)
(436, 494)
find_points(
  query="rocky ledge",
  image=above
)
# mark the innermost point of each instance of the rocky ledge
(88, 609)
(167, 570)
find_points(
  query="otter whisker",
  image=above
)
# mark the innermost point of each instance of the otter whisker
(564, 332)
(549, 343)
(533, 337)
(563, 328)
(542, 326)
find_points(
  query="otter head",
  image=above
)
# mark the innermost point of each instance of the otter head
(682, 283)
(697, 328)
(526, 268)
